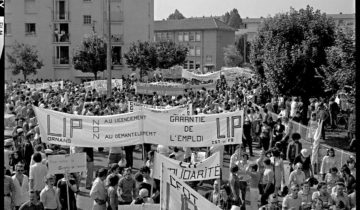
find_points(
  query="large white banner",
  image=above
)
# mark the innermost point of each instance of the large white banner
(71, 163)
(101, 85)
(201, 77)
(177, 195)
(232, 73)
(180, 110)
(140, 127)
(207, 169)
(146, 206)
(46, 85)
(161, 88)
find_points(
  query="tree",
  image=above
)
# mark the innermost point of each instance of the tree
(176, 15)
(232, 57)
(235, 19)
(290, 47)
(226, 17)
(148, 56)
(170, 54)
(24, 59)
(339, 71)
(91, 55)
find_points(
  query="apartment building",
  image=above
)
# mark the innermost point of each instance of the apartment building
(57, 27)
(205, 38)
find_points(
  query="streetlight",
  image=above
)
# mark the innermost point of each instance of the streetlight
(108, 54)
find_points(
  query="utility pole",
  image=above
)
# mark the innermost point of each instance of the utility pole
(108, 54)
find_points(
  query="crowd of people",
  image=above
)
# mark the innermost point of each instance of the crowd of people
(28, 185)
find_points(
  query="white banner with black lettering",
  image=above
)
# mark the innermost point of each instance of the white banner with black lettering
(201, 77)
(177, 195)
(207, 169)
(141, 127)
(181, 110)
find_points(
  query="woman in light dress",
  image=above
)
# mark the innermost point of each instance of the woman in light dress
(279, 169)
(328, 162)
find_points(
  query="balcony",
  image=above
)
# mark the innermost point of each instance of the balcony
(61, 16)
(117, 38)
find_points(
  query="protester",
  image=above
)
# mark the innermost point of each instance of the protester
(332, 178)
(214, 195)
(252, 170)
(327, 162)
(235, 185)
(304, 159)
(267, 182)
(21, 184)
(340, 197)
(279, 170)
(142, 198)
(297, 176)
(127, 188)
(226, 198)
(9, 192)
(349, 179)
(322, 194)
(49, 195)
(273, 203)
(112, 196)
(33, 203)
(89, 166)
(98, 192)
(38, 172)
(292, 200)
(293, 149)
(67, 189)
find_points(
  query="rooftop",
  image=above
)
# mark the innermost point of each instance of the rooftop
(206, 23)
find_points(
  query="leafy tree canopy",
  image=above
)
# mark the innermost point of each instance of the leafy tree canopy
(91, 55)
(339, 72)
(288, 50)
(235, 19)
(24, 59)
(148, 56)
(176, 15)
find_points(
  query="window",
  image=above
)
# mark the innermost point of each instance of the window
(61, 55)
(168, 36)
(209, 58)
(158, 36)
(186, 36)
(181, 36)
(87, 19)
(87, 0)
(185, 65)
(61, 32)
(7, 28)
(192, 36)
(198, 37)
(116, 55)
(60, 10)
(198, 51)
(192, 51)
(30, 29)
(163, 36)
(197, 65)
(191, 64)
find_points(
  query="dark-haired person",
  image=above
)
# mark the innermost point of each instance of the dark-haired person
(225, 197)
(327, 162)
(351, 164)
(155, 194)
(267, 181)
(65, 185)
(273, 203)
(235, 185)
(349, 179)
(332, 178)
(292, 200)
(293, 149)
(28, 151)
(113, 200)
(98, 191)
(340, 196)
(37, 174)
(304, 159)
(253, 172)
(322, 194)
(33, 203)
(114, 170)
(9, 192)
(21, 184)
(127, 188)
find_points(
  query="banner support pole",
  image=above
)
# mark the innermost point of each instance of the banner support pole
(67, 187)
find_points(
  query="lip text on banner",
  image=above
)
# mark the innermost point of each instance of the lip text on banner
(141, 127)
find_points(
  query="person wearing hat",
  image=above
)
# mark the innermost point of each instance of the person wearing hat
(304, 159)
(8, 144)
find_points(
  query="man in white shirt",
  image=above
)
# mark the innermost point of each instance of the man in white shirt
(98, 191)
(21, 183)
(37, 174)
(292, 200)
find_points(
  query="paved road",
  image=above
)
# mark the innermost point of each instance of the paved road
(84, 202)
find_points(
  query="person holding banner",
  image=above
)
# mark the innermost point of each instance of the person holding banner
(98, 191)
(66, 189)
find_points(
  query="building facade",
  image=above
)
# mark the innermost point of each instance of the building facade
(205, 39)
(57, 27)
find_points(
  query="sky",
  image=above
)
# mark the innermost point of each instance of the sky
(247, 8)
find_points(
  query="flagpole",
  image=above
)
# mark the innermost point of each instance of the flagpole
(67, 187)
